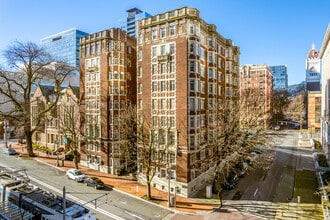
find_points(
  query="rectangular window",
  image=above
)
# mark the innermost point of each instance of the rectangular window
(172, 85)
(202, 55)
(154, 69)
(154, 86)
(172, 49)
(162, 68)
(202, 103)
(140, 104)
(192, 122)
(219, 76)
(202, 70)
(172, 104)
(154, 104)
(162, 103)
(172, 122)
(154, 121)
(163, 121)
(140, 71)
(122, 90)
(154, 34)
(162, 50)
(211, 73)
(210, 57)
(87, 50)
(172, 67)
(172, 30)
(191, 29)
(192, 66)
(140, 55)
(98, 48)
(115, 45)
(210, 88)
(162, 32)
(110, 46)
(172, 161)
(115, 75)
(192, 104)
(211, 44)
(140, 88)
(115, 90)
(154, 52)
(192, 47)
(162, 86)
(192, 86)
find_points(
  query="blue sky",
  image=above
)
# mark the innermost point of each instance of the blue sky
(271, 32)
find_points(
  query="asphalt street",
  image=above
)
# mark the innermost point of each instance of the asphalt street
(105, 204)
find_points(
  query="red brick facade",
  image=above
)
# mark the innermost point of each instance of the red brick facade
(107, 87)
(204, 67)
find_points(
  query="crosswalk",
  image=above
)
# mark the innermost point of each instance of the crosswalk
(269, 210)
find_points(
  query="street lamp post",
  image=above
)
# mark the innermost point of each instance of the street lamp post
(169, 185)
(5, 129)
(58, 142)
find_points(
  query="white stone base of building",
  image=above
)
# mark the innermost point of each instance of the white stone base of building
(182, 189)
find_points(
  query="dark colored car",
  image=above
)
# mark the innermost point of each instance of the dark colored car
(231, 182)
(94, 182)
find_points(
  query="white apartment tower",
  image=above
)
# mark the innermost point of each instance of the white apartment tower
(313, 70)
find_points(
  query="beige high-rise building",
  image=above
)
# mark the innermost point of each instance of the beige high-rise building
(256, 91)
(186, 73)
(314, 111)
(107, 88)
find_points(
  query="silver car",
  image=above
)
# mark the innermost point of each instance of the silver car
(76, 175)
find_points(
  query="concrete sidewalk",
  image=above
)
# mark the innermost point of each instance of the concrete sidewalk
(125, 185)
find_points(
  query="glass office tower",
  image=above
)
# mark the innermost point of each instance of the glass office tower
(64, 45)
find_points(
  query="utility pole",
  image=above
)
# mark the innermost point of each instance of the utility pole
(5, 129)
(64, 203)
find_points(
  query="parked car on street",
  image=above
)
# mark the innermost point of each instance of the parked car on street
(9, 151)
(277, 127)
(76, 175)
(231, 182)
(94, 182)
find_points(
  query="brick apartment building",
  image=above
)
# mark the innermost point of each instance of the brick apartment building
(186, 71)
(256, 92)
(107, 87)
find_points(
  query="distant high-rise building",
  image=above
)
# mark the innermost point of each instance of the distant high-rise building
(280, 77)
(186, 73)
(134, 15)
(257, 87)
(64, 45)
(313, 70)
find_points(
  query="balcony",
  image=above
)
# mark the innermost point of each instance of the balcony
(92, 69)
(163, 58)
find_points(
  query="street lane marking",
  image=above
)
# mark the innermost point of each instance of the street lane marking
(255, 192)
(72, 197)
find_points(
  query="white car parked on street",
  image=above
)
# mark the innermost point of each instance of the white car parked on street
(76, 175)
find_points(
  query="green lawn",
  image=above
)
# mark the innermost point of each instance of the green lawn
(305, 186)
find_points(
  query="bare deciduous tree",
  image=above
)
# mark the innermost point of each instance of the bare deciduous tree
(280, 101)
(296, 109)
(242, 132)
(28, 65)
(69, 123)
(128, 136)
(153, 148)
